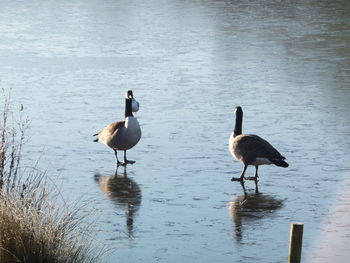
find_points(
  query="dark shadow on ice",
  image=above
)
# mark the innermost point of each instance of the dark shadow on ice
(250, 207)
(124, 192)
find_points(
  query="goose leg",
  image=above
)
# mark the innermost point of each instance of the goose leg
(116, 156)
(127, 161)
(256, 179)
(256, 187)
(256, 176)
(241, 178)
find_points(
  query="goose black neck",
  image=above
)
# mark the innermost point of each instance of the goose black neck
(128, 108)
(238, 126)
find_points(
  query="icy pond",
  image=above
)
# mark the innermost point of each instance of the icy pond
(189, 63)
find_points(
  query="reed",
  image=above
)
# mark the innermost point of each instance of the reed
(32, 227)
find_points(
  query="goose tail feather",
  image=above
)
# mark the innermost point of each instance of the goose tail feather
(279, 162)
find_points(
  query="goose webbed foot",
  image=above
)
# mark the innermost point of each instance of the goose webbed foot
(253, 178)
(256, 175)
(241, 178)
(125, 163)
(120, 163)
(237, 179)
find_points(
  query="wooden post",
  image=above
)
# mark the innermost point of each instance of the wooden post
(295, 242)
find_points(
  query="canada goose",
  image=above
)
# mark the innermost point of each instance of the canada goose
(122, 135)
(252, 149)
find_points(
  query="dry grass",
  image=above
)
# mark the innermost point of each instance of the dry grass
(32, 228)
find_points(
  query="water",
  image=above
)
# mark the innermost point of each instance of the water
(189, 64)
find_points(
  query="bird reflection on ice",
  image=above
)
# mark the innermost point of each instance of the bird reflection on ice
(250, 207)
(124, 192)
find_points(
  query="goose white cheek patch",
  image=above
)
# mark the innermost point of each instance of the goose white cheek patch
(135, 105)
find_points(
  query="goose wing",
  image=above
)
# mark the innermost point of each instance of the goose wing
(113, 128)
(252, 146)
(109, 131)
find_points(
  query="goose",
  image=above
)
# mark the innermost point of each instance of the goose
(122, 135)
(251, 149)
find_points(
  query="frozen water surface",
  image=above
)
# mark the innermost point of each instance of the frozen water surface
(189, 63)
